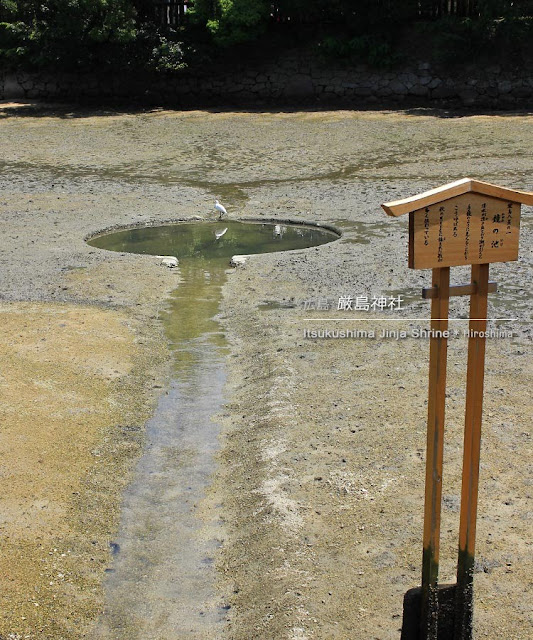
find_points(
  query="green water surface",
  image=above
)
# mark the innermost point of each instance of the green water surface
(199, 239)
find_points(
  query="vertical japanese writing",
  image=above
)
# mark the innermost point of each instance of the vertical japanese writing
(497, 218)
(455, 221)
(467, 233)
(426, 226)
(509, 216)
(482, 230)
(472, 228)
(441, 237)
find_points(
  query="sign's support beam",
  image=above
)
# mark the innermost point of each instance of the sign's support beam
(471, 455)
(435, 440)
(458, 290)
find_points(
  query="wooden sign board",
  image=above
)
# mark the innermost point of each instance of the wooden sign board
(467, 229)
(462, 223)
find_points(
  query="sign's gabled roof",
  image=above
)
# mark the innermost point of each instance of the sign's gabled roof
(458, 188)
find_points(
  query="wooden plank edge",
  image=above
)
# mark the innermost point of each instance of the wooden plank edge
(425, 199)
(458, 290)
(453, 189)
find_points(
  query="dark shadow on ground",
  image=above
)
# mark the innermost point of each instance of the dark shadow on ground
(69, 110)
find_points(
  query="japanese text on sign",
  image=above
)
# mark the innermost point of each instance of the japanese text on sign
(467, 229)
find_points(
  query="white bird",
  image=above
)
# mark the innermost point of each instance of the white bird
(219, 234)
(221, 209)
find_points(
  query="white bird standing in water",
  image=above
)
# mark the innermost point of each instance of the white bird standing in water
(221, 209)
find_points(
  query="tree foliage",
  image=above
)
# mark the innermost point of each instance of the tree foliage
(122, 34)
(232, 22)
(66, 33)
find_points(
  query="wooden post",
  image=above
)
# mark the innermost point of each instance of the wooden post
(471, 455)
(435, 439)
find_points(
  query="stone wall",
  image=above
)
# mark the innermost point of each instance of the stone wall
(291, 79)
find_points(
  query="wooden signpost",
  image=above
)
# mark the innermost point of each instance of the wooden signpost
(467, 222)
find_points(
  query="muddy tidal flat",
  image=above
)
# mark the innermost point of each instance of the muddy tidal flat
(312, 508)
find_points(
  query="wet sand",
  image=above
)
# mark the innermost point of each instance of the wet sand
(320, 476)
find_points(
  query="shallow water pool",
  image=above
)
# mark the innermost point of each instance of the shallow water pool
(212, 240)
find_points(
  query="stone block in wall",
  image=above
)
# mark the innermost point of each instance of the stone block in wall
(505, 86)
(407, 79)
(523, 91)
(398, 88)
(25, 81)
(507, 100)
(443, 92)
(277, 78)
(469, 96)
(320, 80)
(298, 86)
(435, 82)
(51, 88)
(12, 88)
(419, 90)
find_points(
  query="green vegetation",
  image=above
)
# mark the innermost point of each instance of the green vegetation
(232, 22)
(67, 33)
(121, 34)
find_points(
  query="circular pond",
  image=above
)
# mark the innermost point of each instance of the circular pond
(213, 240)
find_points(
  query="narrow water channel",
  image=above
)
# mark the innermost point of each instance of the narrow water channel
(161, 585)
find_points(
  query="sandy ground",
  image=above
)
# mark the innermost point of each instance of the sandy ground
(321, 468)
(71, 428)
